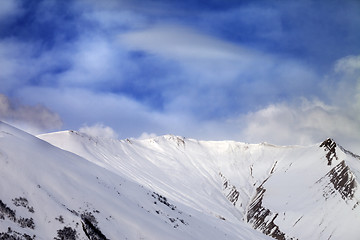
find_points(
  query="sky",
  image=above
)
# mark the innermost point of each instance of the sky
(283, 72)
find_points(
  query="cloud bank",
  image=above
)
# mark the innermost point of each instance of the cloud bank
(281, 72)
(310, 121)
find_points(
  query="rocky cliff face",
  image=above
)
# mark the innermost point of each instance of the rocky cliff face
(338, 181)
(262, 218)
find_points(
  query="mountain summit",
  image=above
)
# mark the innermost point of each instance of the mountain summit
(68, 185)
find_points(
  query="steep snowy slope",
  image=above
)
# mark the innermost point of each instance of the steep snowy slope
(49, 193)
(285, 192)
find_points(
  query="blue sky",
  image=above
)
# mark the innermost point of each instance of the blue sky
(285, 72)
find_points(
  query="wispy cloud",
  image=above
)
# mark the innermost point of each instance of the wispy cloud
(175, 41)
(9, 9)
(99, 130)
(31, 118)
(230, 74)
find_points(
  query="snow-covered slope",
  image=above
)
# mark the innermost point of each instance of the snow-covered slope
(169, 187)
(49, 193)
(285, 192)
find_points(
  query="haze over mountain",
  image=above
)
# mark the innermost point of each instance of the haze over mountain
(69, 185)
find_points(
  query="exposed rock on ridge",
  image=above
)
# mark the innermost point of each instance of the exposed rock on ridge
(329, 146)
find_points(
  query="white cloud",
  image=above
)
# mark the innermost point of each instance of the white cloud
(146, 135)
(113, 19)
(217, 75)
(311, 121)
(32, 118)
(348, 65)
(92, 60)
(8, 9)
(182, 43)
(128, 117)
(209, 79)
(306, 123)
(16, 65)
(346, 86)
(211, 76)
(99, 130)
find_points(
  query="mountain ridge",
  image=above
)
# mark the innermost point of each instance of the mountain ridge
(76, 190)
(326, 156)
(178, 188)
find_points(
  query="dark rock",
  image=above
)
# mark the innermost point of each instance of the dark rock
(67, 233)
(342, 180)
(262, 218)
(329, 146)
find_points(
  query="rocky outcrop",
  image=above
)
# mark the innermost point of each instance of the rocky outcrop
(90, 228)
(230, 191)
(329, 146)
(342, 180)
(262, 218)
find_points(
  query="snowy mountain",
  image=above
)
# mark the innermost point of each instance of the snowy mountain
(168, 187)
